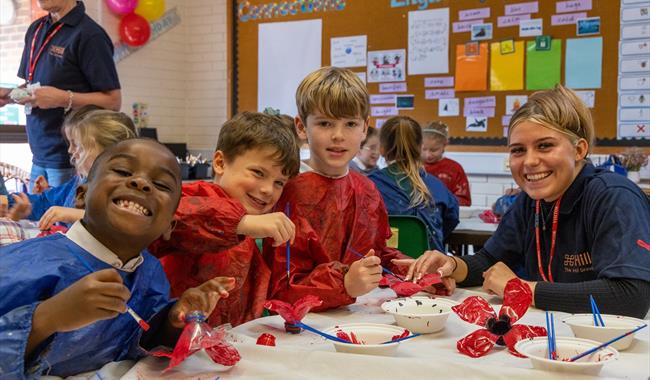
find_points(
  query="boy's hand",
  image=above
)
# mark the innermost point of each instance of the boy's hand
(364, 275)
(21, 208)
(203, 298)
(97, 296)
(275, 225)
(59, 214)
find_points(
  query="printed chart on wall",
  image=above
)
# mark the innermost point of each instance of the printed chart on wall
(468, 63)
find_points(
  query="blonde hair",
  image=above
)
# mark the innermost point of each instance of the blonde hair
(101, 129)
(74, 117)
(559, 109)
(335, 92)
(401, 139)
(436, 130)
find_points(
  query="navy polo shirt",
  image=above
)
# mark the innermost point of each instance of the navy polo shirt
(602, 216)
(78, 58)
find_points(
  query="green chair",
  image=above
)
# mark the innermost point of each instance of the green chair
(412, 237)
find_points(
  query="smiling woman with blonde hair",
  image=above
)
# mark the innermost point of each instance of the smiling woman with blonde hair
(576, 230)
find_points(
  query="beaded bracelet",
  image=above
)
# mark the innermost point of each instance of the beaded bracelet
(69, 107)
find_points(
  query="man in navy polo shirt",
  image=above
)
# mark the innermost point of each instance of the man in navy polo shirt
(71, 56)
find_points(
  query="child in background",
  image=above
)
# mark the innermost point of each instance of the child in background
(406, 188)
(365, 162)
(436, 137)
(217, 223)
(89, 131)
(58, 319)
(577, 230)
(337, 212)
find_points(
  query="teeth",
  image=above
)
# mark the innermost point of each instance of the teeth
(538, 176)
(262, 203)
(133, 207)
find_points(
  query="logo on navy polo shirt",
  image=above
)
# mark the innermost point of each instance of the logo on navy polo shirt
(578, 263)
(57, 51)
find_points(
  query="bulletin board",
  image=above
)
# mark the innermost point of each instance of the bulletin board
(386, 28)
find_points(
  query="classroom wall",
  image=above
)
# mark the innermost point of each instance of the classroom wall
(182, 75)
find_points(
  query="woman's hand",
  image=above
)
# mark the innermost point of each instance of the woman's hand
(429, 262)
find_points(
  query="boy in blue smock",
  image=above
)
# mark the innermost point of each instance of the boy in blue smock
(61, 318)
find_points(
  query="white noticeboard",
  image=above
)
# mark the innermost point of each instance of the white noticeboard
(287, 52)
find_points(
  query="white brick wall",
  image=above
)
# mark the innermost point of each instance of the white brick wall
(182, 75)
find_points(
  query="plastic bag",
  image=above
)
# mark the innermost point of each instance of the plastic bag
(198, 335)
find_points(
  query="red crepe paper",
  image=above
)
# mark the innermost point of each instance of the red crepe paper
(198, 335)
(52, 230)
(266, 339)
(293, 314)
(499, 329)
(429, 283)
(352, 338)
(404, 334)
(488, 216)
(384, 283)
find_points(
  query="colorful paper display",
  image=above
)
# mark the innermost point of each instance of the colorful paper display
(584, 62)
(543, 67)
(507, 70)
(471, 71)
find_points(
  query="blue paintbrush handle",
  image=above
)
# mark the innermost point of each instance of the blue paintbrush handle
(598, 348)
(387, 271)
(321, 333)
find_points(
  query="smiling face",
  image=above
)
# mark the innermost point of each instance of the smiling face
(369, 153)
(543, 161)
(131, 195)
(333, 142)
(253, 177)
(432, 149)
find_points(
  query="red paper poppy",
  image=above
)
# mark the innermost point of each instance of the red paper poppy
(429, 283)
(296, 312)
(198, 335)
(499, 329)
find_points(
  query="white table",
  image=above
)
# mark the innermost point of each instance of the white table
(308, 356)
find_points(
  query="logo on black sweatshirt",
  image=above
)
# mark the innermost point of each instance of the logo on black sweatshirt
(578, 263)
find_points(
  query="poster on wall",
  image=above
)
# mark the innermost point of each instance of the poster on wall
(348, 51)
(386, 65)
(476, 124)
(278, 77)
(428, 36)
(471, 70)
(506, 69)
(543, 67)
(448, 107)
(514, 102)
(583, 63)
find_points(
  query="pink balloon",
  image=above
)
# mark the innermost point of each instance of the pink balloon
(122, 7)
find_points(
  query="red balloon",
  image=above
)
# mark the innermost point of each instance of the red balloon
(134, 30)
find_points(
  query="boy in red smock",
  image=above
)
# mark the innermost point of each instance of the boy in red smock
(217, 223)
(336, 212)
